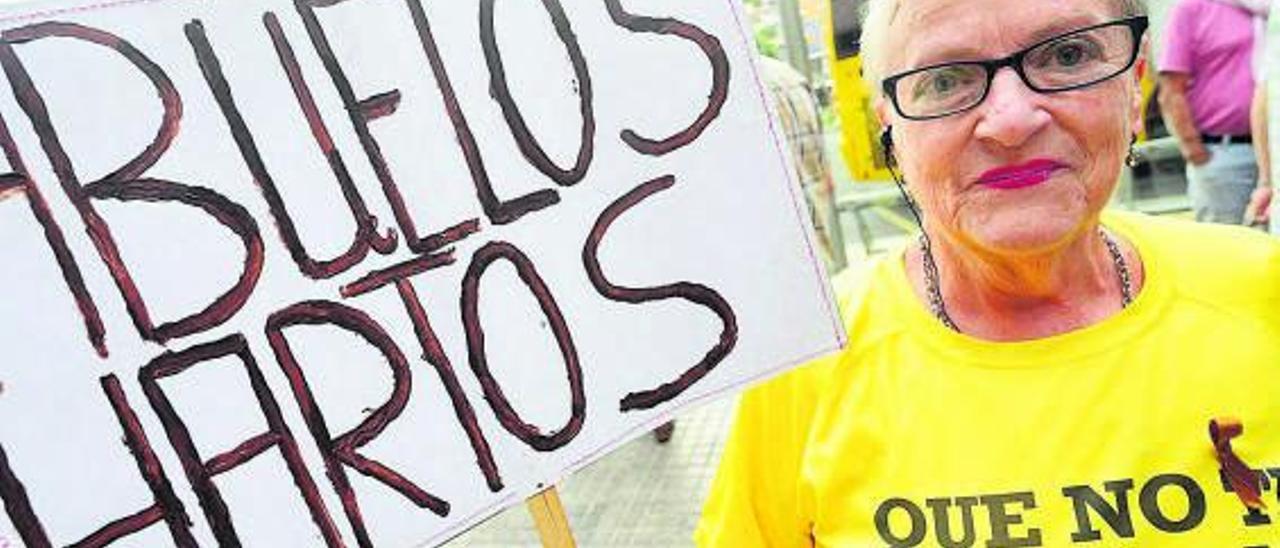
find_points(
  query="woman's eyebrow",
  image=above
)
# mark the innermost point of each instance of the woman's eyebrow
(968, 51)
(946, 53)
(1061, 26)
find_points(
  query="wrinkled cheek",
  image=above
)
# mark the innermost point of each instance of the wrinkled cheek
(1107, 169)
(968, 213)
(959, 212)
(937, 200)
(1114, 141)
(929, 174)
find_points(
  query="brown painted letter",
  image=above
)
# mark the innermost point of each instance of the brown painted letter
(432, 351)
(20, 181)
(529, 145)
(342, 450)
(499, 211)
(201, 472)
(361, 112)
(167, 507)
(365, 237)
(126, 183)
(709, 45)
(470, 302)
(692, 292)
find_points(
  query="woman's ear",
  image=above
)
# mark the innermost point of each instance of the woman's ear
(1136, 113)
(882, 110)
(1140, 68)
(886, 146)
(886, 130)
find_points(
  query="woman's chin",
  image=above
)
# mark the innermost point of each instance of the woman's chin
(1025, 232)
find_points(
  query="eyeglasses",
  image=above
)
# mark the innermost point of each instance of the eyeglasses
(1074, 60)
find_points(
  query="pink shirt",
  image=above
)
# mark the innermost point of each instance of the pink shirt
(1212, 41)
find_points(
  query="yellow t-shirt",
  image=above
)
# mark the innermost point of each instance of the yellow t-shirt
(918, 436)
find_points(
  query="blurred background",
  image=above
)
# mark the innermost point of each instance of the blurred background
(649, 492)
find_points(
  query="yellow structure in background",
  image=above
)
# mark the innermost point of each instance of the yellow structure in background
(859, 129)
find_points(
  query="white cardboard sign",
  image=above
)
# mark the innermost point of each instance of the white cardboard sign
(365, 272)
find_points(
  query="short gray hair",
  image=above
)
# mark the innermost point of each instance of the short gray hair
(877, 14)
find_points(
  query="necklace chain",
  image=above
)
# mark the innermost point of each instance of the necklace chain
(938, 307)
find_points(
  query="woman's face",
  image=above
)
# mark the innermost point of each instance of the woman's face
(1079, 138)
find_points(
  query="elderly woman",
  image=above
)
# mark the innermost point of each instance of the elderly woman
(1032, 371)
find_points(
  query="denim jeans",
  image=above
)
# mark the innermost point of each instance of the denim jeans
(1220, 188)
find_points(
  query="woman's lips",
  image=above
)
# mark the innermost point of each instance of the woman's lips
(1028, 174)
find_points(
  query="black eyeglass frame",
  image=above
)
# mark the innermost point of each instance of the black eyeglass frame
(1137, 24)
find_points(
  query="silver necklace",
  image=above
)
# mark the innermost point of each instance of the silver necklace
(933, 285)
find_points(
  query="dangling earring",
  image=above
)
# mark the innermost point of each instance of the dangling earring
(1132, 158)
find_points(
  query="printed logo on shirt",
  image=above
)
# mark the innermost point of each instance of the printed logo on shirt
(1101, 512)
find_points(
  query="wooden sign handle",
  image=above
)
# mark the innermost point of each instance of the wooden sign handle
(552, 522)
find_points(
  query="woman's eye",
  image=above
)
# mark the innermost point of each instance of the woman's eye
(1068, 54)
(943, 83)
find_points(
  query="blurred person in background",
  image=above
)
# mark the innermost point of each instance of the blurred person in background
(1031, 371)
(797, 107)
(1263, 209)
(1206, 85)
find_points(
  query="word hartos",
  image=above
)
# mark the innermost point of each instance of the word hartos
(341, 451)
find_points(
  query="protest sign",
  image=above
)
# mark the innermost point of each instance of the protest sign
(365, 272)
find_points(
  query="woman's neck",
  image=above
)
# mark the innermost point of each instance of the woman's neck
(1008, 298)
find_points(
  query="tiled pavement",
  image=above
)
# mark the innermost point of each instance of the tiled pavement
(644, 494)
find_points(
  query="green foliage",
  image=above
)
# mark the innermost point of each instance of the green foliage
(768, 35)
(769, 41)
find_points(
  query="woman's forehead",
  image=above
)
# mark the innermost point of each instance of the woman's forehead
(934, 11)
(927, 31)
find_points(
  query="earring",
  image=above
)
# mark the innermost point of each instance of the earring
(1132, 158)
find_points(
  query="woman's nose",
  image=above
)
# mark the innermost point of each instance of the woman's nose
(1011, 114)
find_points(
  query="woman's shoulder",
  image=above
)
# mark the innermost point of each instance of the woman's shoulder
(869, 297)
(1212, 262)
(1230, 250)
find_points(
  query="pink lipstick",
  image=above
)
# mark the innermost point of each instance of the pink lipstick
(1028, 174)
